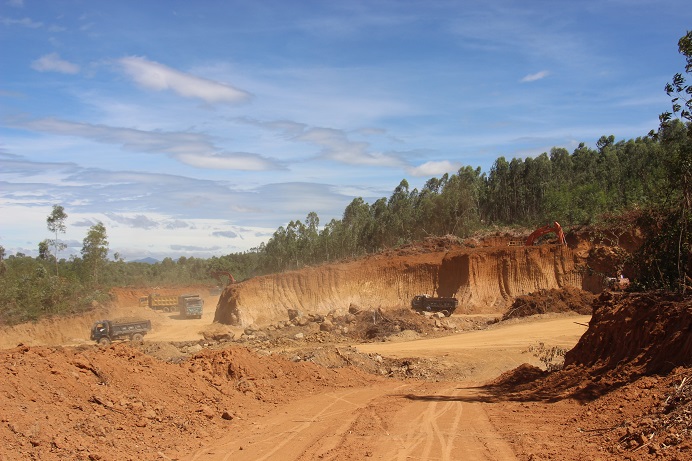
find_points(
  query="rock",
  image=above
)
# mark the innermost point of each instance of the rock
(294, 314)
(326, 325)
(195, 348)
(217, 332)
(227, 416)
(353, 309)
(206, 411)
(299, 336)
(302, 321)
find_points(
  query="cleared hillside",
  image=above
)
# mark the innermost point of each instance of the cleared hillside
(484, 278)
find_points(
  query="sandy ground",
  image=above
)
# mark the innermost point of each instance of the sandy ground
(397, 420)
(67, 398)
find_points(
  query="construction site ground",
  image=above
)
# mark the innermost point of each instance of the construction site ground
(434, 394)
(574, 377)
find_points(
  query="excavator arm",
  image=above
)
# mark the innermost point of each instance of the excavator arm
(218, 275)
(555, 227)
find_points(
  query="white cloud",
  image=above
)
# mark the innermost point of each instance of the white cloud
(53, 63)
(334, 144)
(433, 168)
(228, 161)
(338, 147)
(226, 234)
(537, 76)
(26, 22)
(195, 149)
(155, 76)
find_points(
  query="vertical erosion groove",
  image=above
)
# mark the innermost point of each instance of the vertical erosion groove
(484, 280)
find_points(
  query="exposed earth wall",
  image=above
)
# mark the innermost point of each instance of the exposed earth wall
(484, 280)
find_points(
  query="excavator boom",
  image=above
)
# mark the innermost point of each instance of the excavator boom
(218, 274)
(555, 227)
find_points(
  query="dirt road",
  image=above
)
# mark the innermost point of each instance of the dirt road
(169, 326)
(389, 421)
(399, 421)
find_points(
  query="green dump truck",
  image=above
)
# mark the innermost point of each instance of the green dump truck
(106, 331)
(427, 303)
(190, 306)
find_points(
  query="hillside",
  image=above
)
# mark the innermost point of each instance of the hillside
(484, 275)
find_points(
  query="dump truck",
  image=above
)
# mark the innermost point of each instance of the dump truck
(166, 303)
(106, 331)
(427, 303)
(190, 306)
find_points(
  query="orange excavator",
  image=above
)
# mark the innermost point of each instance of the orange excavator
(218, 274)
(555, 227)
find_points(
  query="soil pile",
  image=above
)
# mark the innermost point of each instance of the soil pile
(544, 301)
(631, 371)
(117, 403)
(649, 332)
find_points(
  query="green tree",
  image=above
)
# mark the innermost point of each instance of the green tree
(95, 251)
(56, 224)
(44, 250)
(3, 266)
(680, 152)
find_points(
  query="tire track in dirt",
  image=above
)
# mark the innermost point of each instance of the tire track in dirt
(305, 429)
(448, 424)
(388, 421)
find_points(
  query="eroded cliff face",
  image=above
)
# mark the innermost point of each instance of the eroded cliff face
(484, 280)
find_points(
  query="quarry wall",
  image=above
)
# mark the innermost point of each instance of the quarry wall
(484, 280)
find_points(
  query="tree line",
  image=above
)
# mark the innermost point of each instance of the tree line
(571, 188)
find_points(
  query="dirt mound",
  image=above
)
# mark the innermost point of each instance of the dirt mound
(630, 335)
(98, 404)
(554, 300)
(520, 376)
(632, 370)
(649, 332)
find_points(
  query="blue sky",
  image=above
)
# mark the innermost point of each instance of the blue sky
(198, 128)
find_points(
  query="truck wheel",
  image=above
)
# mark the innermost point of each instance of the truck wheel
(446, 313)
(137, 338)
(104, 341)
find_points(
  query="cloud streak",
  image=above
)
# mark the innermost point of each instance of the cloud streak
(194, 149)
(53, 63)
(537, 76)
(333, 144)
(155, 76)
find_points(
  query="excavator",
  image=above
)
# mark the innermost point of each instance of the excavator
(219, 274)
(555, 227)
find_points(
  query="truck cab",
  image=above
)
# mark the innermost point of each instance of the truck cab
(190, 306)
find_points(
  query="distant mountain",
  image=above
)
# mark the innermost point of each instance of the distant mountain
(148, 260)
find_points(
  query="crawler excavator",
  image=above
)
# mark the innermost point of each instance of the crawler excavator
(555, 227)
(219, 274)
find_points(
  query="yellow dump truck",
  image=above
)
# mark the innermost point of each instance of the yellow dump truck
(166, 303)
